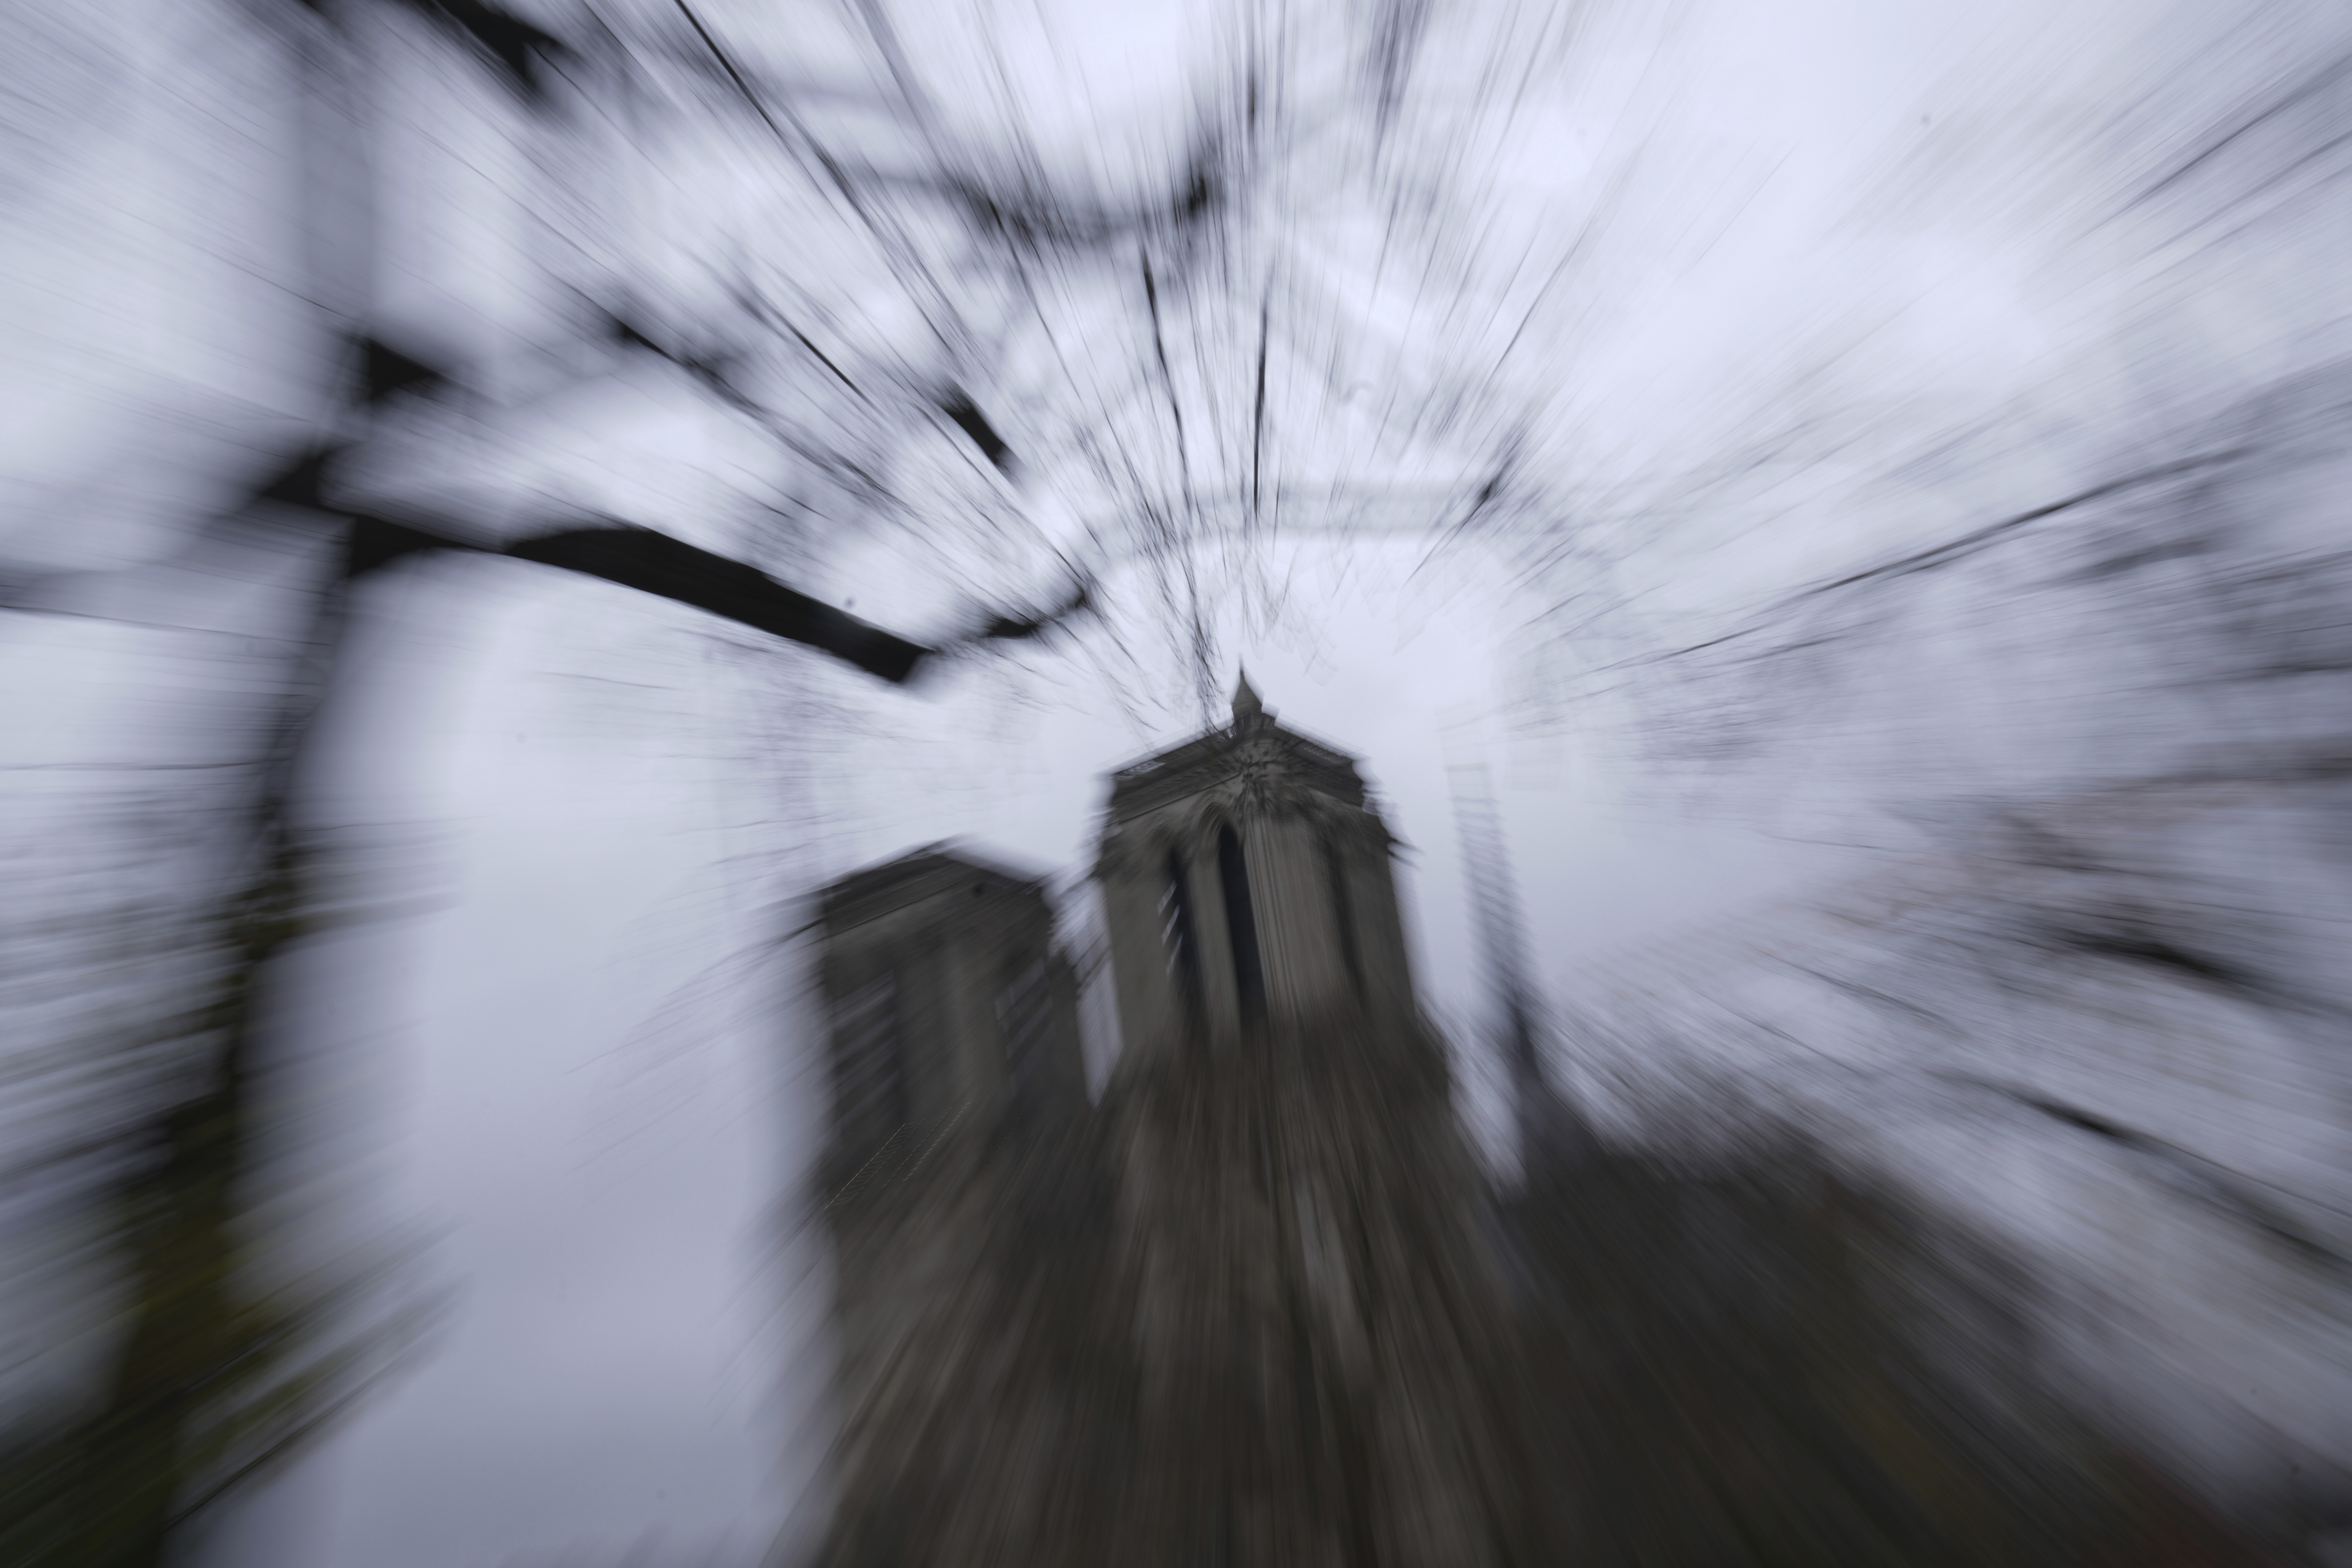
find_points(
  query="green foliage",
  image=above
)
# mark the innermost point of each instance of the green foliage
(217, 1376)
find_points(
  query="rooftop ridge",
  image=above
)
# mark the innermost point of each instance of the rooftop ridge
(945, 855)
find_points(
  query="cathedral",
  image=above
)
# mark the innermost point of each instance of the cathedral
(1257, 1306)
(1238, 1311)
(1246, 884)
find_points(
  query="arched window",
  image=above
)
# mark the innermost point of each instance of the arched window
(1240, 924)
(1176, 930)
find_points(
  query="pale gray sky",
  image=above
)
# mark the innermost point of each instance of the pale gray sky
(1723, 296)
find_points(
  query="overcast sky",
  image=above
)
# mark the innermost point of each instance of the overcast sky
(1656, 312)
(596, 1106)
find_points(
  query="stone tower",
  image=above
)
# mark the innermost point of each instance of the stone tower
(957, 1081)
(1242, 1312)
(1247, 883)
(951, 1010)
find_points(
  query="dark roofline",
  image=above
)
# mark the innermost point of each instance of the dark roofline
(873, 885)
(1226, 735)
(1134, 787)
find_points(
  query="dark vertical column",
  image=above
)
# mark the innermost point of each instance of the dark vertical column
(1343, 911)
(1025, 1018)
(869, 1085)
(1241, 924)
(1178, 931)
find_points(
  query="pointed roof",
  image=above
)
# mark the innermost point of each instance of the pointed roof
(1208, 760)
(1248, 707)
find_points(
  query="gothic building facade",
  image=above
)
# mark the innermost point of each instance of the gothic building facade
(950, 1007)
(1260, 1306)
(953, 1038)
(1246, 884)
(1238, 1311)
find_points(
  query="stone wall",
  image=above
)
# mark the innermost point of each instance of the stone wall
(1245, 1316)
(1262, 1309)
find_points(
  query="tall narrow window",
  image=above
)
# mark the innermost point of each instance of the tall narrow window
(1343, 911)
(1240, 924)
(1176, 930)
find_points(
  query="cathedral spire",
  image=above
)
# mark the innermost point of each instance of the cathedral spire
(1248, 707)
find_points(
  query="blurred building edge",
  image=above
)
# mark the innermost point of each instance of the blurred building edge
(1260, 1307)
(1241, 1310)
(1246, 884)
(1554, 1137)
(955, 1070)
